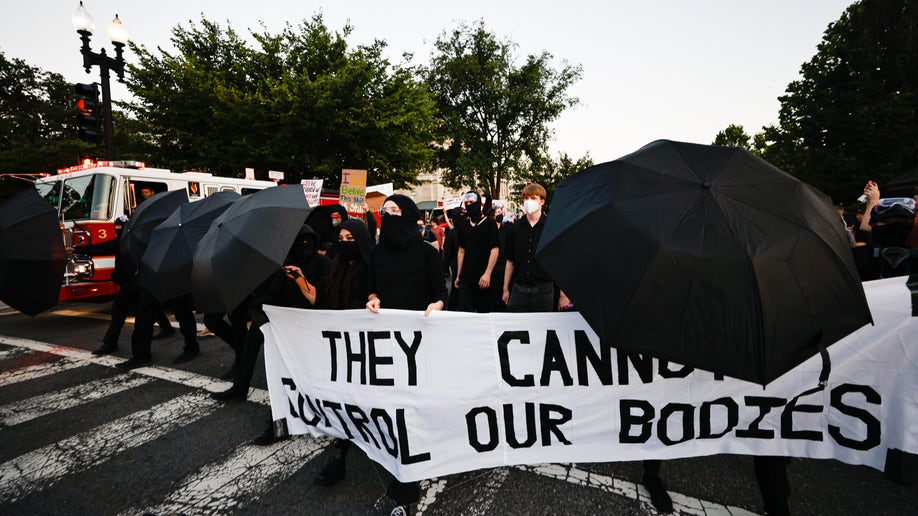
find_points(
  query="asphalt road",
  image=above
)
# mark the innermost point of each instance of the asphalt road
(78, 436)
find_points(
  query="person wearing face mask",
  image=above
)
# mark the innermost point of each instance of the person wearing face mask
(478, 249)
(527, 287)
(406, 274)
(454, 217)
(346, 288)
(295, 285)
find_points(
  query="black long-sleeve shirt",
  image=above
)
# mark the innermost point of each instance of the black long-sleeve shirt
(407, 279)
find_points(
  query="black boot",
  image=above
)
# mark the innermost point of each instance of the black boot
(333, 472)
(270, 435)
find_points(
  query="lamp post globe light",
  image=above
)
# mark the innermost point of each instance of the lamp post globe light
(85, 25)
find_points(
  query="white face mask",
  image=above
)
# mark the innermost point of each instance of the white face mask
(531, 205)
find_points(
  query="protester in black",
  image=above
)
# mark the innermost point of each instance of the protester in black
(478, 250)
(527, 287)
(405, 273)
(346, 288)
(293, 286)
(125, 276)
(148, 309)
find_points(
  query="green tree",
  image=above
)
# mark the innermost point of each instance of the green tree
(301, 101)
(37, 125)
(733, 136)
(853, 115)
(549, 173)
(495, 113)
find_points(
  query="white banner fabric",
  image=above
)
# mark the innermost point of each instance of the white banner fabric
(454, 392)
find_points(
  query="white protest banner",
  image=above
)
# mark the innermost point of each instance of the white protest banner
(452, 392)
(353, 191)
(312, 188)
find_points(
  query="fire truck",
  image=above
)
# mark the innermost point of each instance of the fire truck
(89, 197)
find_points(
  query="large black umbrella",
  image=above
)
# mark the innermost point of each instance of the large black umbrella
(706, 256)
(151, 213)
(32, 256)
(245, 245)
(165, 267)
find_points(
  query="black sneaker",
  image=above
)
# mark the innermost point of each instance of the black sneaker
(133, 363)
(186, 356)
(229, 395)
(106, 349)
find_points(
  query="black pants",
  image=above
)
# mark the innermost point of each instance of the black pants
(254, 341)
(126, 299)
(232, 332)
(771, 474)
(147, 310)
(538, 297)
(474, 299)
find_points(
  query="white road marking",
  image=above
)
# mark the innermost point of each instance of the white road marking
(31, 372)
(7, 354)
(40, 468)
(81, 357)
(682, 504)
(37, 406)
(224, 486)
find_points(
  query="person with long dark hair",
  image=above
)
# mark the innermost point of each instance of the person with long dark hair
(345, 288)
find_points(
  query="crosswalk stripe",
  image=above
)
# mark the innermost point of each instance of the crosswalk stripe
(31, 372)
(225, 485)
(37, 469)
(189, 379)
(6, 354)
(37, 406)
(682, 504)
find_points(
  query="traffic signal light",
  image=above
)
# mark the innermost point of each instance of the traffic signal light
(89, 119)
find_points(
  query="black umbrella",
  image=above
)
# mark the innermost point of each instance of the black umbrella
(165, 267)
(706, 256)
(32, 256)
(151, 213)
(245, 245)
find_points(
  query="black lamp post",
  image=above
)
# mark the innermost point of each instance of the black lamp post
(84, 25)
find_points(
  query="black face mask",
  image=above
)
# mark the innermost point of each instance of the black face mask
(397, 231)
(347, 249)
(302, 251)
(474, 211)
(498, 218)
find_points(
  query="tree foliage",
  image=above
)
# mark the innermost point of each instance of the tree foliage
(37, 125)
(853, 115)
(495, 113)
(301, 101)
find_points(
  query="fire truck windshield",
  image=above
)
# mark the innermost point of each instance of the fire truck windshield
(81, 198)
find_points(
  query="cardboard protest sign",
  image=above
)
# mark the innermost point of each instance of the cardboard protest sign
(353, 191)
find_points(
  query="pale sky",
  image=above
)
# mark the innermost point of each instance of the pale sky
(675, 69)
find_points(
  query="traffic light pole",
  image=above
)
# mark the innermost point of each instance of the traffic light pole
(105, 64)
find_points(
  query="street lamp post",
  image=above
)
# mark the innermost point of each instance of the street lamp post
(85, 25)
